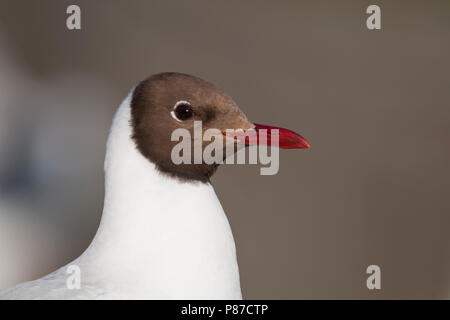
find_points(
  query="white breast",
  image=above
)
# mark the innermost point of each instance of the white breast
(159, 238)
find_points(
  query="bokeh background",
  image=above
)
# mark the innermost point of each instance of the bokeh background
(375, 105)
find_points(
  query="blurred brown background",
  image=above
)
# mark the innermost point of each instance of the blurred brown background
(375, 105)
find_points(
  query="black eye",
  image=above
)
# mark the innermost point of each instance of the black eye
(183, 110)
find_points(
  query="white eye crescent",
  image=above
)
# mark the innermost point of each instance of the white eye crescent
(182, 111)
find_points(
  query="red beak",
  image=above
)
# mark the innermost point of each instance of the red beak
(287, 139)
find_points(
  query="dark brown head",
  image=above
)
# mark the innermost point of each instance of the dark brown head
(168, 101)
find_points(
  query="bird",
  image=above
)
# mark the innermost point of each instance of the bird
(163, 233)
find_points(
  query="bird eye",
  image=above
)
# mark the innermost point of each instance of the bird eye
(182, 111)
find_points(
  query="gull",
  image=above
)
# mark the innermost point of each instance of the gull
(163, 233)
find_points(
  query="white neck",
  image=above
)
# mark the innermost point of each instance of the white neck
(158, 237)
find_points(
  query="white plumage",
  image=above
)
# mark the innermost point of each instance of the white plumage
(159, 238)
